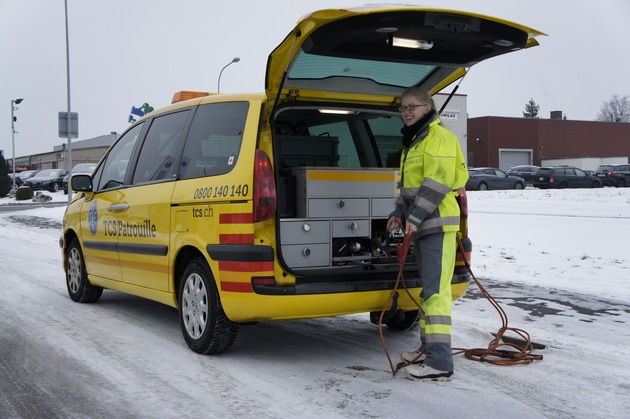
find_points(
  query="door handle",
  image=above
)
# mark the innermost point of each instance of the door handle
(118, 207)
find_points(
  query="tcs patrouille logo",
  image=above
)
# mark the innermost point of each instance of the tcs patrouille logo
(93, 218)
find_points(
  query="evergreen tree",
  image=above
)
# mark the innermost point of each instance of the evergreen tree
(5, 180)
(531, 110)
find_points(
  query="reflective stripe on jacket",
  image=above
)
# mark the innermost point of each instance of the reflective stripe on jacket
(432, 170)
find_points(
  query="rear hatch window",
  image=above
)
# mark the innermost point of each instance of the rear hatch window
(381, 51)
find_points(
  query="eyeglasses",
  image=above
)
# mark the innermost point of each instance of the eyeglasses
(409, 107)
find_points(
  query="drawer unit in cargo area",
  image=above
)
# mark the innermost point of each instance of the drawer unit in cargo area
(342, 193)
(336, 211)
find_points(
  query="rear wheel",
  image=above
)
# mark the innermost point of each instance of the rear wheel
(205, 327)
(518, 185)
(563, 185)
(621, 183)
(483, 187)
(79, 287)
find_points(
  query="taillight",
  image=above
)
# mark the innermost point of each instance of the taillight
(551, 179)
(462, 199)
(612, 174)
(264, 188)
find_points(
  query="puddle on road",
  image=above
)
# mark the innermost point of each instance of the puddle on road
(541, 302)
(32, 221)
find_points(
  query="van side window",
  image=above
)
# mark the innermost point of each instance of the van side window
(214, 140)
(156, 161)
(112, 173)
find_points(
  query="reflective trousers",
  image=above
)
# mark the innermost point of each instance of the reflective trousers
(435, 256)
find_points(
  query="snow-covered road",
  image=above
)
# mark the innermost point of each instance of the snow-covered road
(125, 357)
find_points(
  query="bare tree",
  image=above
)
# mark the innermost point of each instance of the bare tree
(531, 110)
(617, 109)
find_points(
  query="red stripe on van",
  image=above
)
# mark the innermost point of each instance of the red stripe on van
(231, 266)
(236, 286)
(238, 218)
(236, 238)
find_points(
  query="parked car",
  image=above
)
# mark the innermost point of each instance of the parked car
(81, 168)
(617, 175)
(49, 179)
(18, 180)
(527, 172)
(238, 208)
(26, 174)
(490, 178)
(565, 177)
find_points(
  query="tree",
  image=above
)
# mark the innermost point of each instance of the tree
(5, 180)
(617, 109)
(531, 110)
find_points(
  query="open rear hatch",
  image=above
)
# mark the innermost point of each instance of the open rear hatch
(335, 83)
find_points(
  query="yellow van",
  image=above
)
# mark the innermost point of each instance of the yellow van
(239, 208)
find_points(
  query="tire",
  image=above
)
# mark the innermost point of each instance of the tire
(563, 185)
(79, 287)
(403, 320)
(518, 185)
(205, 327)
(482, 187)
(597, 184)
(54, 187)
(621, 183)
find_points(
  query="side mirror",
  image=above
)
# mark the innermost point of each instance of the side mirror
(81, 183)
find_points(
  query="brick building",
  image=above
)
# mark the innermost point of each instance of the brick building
(506, 142)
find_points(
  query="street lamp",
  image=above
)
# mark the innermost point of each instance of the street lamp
(234, 60)
(13, 132)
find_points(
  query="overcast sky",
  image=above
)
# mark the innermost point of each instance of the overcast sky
(125, 53)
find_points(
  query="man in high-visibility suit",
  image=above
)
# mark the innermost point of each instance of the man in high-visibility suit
(432, 170)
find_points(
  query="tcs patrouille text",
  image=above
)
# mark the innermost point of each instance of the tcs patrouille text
(122, 229)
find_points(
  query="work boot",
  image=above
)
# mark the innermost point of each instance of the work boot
(413, 357)
(423, 372)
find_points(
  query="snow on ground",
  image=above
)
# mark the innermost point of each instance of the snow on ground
(557, 261)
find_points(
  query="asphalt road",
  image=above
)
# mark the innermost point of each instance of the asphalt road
(125, 357)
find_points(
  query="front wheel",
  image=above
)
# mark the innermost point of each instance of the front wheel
(518, 185)
(205, 327)
(54, 187)
(79, 287)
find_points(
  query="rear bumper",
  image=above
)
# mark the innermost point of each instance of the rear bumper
(332, 285)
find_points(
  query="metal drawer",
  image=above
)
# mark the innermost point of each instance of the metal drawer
(351, 228)
(306, 255)
(382, 207)
(339, 207)
(304, 231)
